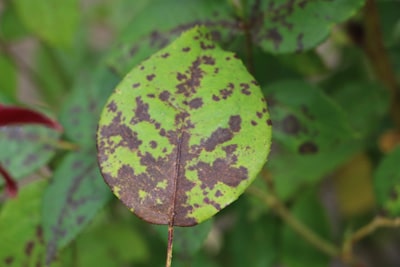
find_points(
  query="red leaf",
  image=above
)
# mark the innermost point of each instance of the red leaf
(11, 115)
(11, 185)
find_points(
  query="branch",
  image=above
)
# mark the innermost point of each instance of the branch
(272, 201)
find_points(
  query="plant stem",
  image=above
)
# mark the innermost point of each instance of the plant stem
(377, 222)
(374, 49)
(272, 201)
(170, 244)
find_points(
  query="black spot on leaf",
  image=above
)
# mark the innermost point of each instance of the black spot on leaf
(308, 148)
(291, 125)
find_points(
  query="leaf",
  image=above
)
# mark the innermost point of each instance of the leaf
(14, 115)
(8, 78)
(387, 184)
(74, 197)
(253, 241)
(82, 109)
(295, 25)
(173, 140)
(305, 120)
(104, 244)
(163, 21)
(11, 185)
(53, 21)
(297, 252)
(11, 27)
(21, 234)
(28, 148)
(363, 117)
(187, 240)
(311, 134)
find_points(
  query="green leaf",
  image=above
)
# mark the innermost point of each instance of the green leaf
(296, 251)
(163, 21)
(387, 184)
(28, 148)
(187, 240)
(291, 26)
(305, 120)
(312, 135)
(363, 117)
(11, 27)
(82, 109)
(70, 202)
(110, 242)
(53, 21)
(8, 78)
(173, 139)
(253, 241)
(21, 234)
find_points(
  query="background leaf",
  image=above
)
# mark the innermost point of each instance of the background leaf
(54, 22)
(293, 26)
(31, 146)
(387, 184)
(160, 150)
(74, 197)
(22, 239)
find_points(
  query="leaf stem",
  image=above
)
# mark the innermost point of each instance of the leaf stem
(377, 222)
(170, 244)
(272, 201)
(374, 48)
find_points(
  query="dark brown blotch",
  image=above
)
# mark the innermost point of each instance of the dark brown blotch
(215, 98)
(208, 60)
(291, 125)
(112, 107)
(245, 88)
(150, 77)
(9, 260)
(269, 122)
(254, 123)
(151, 95)
(186, 49)
(196, 103)
(135, 85)
(234, 123)
(308, 148)
(164, 95)
(29, 248)
(153, 144)
(219, 136)
(165, 55)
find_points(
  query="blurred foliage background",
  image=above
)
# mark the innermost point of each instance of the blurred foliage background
(329, 194)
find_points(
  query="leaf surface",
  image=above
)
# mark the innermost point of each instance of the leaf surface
(184, 133)
(295, 25)
(30, 146)
(387, 184)
(22, 242)
(72, 200)
(54, 22)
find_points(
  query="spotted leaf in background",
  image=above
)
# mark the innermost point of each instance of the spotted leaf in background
(184, 133)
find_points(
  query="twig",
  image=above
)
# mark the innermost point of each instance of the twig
(274, 203)
(376, 223)
(374, 49)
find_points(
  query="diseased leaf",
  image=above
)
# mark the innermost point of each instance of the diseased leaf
(72, 200)
(296, 25)
(82, 110)
(21, 233)
(312, 135)
(387, 184)
(53, 21)
(305, 120)
(184, 133)
(163, 21)
(30, 146)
